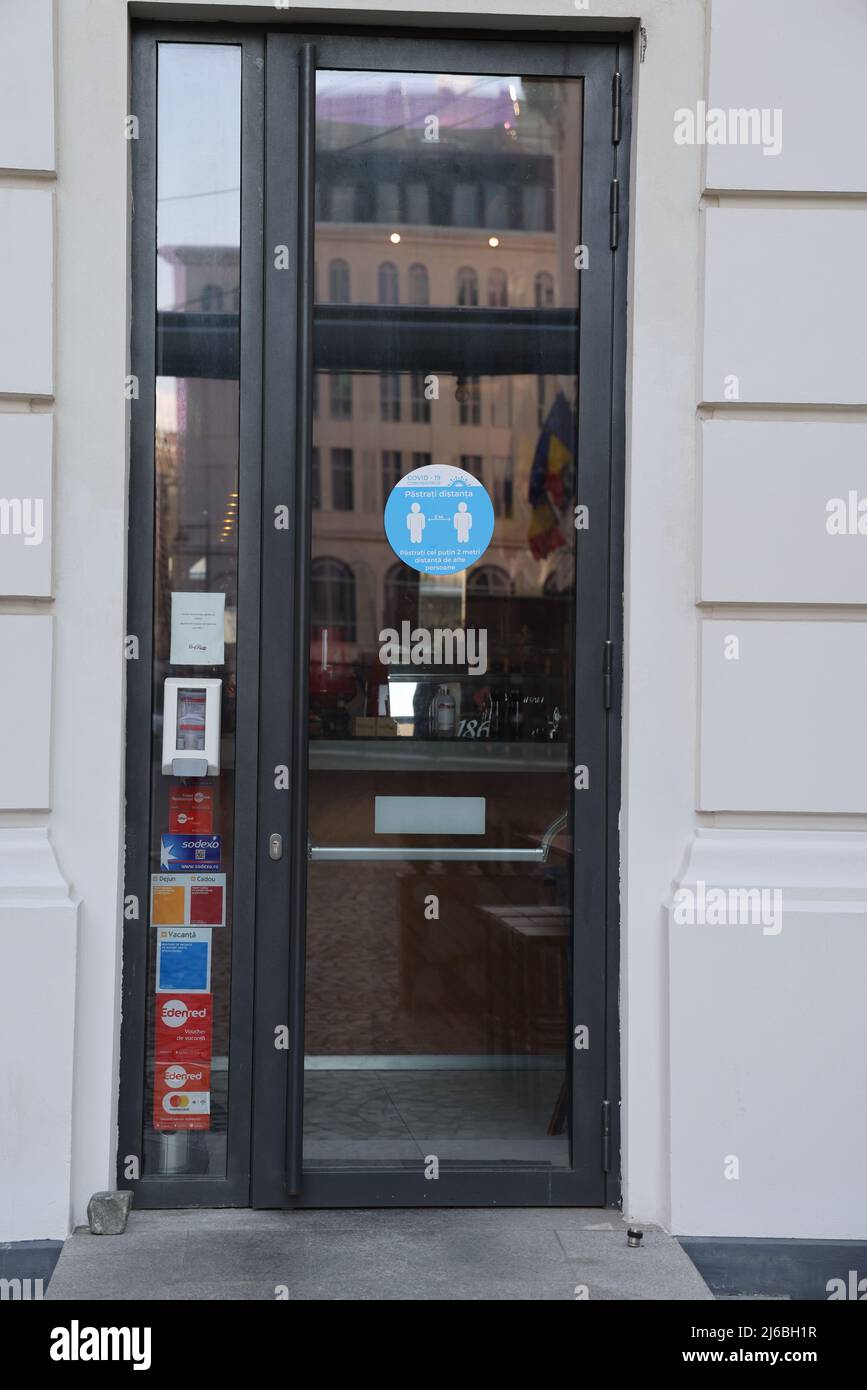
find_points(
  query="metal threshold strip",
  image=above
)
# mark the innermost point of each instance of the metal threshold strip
(538, 854)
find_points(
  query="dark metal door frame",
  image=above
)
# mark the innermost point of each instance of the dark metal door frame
(234, 1188)
(266, 1082)
(277, 1180)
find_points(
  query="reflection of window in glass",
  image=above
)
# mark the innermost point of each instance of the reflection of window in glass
(419, 288)
(470, 401)
(387, 203)
(338, 282)
(543, 290)
(392, 471)
(498, 289)
(421, 458)
(465, 205)
(212, 299)
(419, 405)
(417, 203)
(467, 287)
(315, 395)
(499, 393)
(342, 491)
(535, 208)
(472, 463)
(389, 396)
(341, 395)
(365, 201)
(332, 596)
(504, 482)
(342, 203)
(387, 283)
(315, 481)
(489, 579)
(401, 596)
(496, 205)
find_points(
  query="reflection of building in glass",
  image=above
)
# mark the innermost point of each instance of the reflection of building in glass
(197, 421)
(484, 217)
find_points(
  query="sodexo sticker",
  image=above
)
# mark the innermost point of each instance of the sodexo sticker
(439, 519)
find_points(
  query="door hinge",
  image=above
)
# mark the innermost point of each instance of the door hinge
(607, 672)
(606, 1136)
(616, 112)
(614, 206)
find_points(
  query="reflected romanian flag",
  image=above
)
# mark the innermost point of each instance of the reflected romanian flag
(548, 479)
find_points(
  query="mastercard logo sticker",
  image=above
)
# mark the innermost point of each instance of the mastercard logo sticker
(190, 1102)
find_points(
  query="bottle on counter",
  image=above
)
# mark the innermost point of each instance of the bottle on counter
(495, 713)
(515, 707)
(444, 713)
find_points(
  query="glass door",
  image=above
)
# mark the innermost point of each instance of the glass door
(436, 667)
(442, 598)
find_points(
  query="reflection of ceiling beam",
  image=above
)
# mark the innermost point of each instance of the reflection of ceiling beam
(462, 342)
(377, 338)
(198, 345)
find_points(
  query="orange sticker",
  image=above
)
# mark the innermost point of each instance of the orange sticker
(167, 905)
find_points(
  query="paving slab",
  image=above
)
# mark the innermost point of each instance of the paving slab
(385, 1255)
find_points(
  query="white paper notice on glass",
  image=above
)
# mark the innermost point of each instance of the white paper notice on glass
(197, 629)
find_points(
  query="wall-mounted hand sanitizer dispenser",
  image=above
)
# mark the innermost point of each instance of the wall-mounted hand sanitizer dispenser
(191, 727)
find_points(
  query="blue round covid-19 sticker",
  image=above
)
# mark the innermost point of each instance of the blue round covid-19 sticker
(439, 519)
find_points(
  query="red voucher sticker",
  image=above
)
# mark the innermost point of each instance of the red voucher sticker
(207, 900)
(191, 811)
(182, 1095)
(182, 1061)
(184, 1026)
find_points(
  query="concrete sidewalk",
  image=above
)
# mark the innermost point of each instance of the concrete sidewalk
(385, 1255)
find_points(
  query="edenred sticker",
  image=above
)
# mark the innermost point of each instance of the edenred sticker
(184, 1028)
(191, 811)
(182, 1095)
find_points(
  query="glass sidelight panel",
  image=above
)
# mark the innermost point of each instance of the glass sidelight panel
(442, 702)
(196, 506)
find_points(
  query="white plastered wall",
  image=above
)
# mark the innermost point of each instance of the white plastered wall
(38, 912)
(768, 1079)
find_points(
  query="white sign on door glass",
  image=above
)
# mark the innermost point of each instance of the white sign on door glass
(197, 629)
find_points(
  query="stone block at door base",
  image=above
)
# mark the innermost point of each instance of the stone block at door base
(108, 1212)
